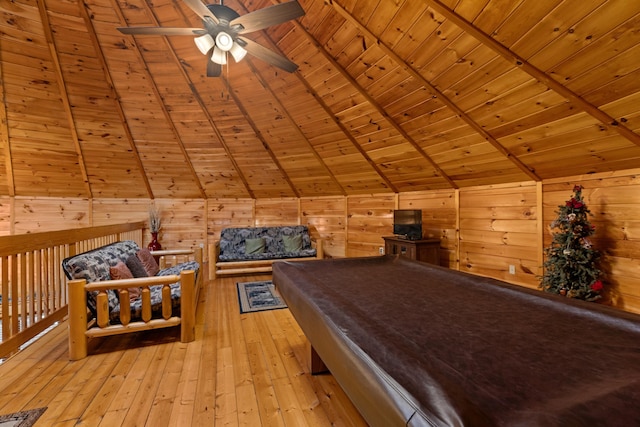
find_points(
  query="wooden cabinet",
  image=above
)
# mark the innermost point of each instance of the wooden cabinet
(427, 250)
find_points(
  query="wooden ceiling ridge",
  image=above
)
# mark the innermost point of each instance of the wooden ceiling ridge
(64, 95)
(158, 96)
(4, 134)
(109, 80)
(346, 132)
(436, 92)
(375, 104)
(209, 117)
(262, 139)
(535, 72)
(341, 125)
(274, 46)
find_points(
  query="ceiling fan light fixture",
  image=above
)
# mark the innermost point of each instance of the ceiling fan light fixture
(219, 56)
(204, 43)
(237, 52)
(224, 41)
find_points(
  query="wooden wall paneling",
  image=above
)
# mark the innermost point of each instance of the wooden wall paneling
(118, 211)
(498, 226)
(438, 219)
(5, 215)
(369, 219)
(48, 214)
(614, 201)
(225, 213)
(273, 212)
(326, 216)
(181, 223)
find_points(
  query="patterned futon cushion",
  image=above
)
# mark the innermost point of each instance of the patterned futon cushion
(233, 247)
(94, 266)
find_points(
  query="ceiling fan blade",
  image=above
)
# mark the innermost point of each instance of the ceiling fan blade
(268, 16)
(266, 55)
(162, 31)
(200, 9)
(213, 69)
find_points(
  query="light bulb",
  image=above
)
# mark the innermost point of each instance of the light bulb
(224, 41)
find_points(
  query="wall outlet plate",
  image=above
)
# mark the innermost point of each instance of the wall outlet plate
(512, 269)
(381, 250)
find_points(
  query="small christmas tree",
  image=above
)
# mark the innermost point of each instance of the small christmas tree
(570, 266)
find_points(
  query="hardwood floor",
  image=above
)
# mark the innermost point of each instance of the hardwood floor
(242, 369)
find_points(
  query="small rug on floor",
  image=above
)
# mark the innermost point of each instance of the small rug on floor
(258, 296)
(22, 418)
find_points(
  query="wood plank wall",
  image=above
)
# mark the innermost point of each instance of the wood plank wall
(483, 230)
(498, 228)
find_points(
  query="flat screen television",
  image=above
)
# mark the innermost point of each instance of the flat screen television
(407, 223)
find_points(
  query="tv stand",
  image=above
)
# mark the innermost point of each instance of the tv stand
(425, 250)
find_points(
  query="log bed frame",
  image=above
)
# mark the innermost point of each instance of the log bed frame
(418, 344)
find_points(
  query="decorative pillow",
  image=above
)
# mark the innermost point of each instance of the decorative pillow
(254, 246)
(135, 266)
(121, 271)
(148, 261)
(292, 243)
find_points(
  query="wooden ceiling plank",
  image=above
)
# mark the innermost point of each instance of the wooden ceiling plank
(260, 136)
(374, 103)
(109, 80)
(4, 135)
(163, 107)
(436, 92)
(535, 72)
(210, 120)
(46, 26)
(337, 121)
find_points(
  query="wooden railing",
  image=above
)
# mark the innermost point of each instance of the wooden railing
(33, 284)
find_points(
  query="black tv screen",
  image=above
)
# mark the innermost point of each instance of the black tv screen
(407, 223)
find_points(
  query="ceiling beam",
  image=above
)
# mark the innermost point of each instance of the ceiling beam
(435, 91)
(4, 135)
(158, 96)
(375, 104)
(535, 72)
(64, 96)
(264, 83)
(337, 121)
(346, 132)
(114, 95)
(259, 135)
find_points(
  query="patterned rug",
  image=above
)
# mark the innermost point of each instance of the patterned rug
(21, 419)
(258, 296)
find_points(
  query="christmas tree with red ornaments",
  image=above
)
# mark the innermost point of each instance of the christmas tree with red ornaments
(571, 261)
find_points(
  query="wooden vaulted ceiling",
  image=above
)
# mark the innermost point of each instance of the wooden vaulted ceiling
(390, 96)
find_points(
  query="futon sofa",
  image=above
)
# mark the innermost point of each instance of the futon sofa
(254, 249)
(121, 288)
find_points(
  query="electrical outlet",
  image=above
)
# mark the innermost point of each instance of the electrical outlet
(512, 269)
(381, 250)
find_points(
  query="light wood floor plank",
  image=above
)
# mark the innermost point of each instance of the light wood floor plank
(247, 369)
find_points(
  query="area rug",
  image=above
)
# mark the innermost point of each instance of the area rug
(21, 419)
(258, 296)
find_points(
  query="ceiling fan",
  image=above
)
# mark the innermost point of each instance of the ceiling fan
(223, 30)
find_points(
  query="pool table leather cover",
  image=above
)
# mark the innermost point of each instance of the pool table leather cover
(417, 344)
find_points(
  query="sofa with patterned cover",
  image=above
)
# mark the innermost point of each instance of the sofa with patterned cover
(254, 249)
(101, 280)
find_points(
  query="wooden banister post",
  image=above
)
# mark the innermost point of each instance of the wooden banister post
(319, 249)
(77, 319)
(214, 251)
(187, 306)
(199, 257)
